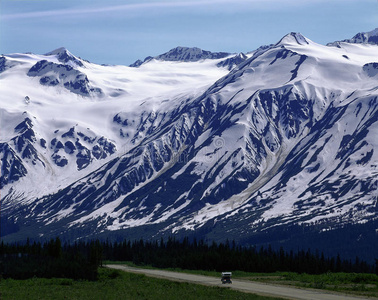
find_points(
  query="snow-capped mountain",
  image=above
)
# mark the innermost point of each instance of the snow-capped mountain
(370, 37)
(183, 54)
(66, 57)
(223, 145)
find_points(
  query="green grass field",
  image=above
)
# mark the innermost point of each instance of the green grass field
(351, 283)
(114, 284)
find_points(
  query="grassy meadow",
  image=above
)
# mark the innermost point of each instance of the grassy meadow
(114, 284)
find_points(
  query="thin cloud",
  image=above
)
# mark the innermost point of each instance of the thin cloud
(143, 7)
(126, 7)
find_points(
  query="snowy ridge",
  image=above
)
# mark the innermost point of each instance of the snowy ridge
(283, 135)
(190, 54)
(293, 38)
(183, 54)
(66, 57)
(370, 37)
(52, 74)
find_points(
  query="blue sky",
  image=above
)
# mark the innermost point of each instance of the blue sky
(120, 32)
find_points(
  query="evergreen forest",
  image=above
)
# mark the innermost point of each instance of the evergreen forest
(80, 260)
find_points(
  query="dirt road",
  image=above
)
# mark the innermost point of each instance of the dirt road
(241, 285)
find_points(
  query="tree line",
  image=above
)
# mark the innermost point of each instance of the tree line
(199, 255)
(81, 260)
(50, 259)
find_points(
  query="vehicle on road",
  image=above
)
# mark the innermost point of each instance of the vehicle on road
(226, 277)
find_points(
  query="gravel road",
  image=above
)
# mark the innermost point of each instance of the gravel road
(241, 285)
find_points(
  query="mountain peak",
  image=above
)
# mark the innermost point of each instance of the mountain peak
(370, 37)
(187, 54)
(293, 38)
(184, 54)
(233, 61)
(65, 56)
(58, 51)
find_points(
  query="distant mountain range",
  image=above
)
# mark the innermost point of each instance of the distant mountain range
(253, 147)
(361, 38)
(184, 54)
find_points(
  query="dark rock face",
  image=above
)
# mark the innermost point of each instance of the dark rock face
(3, 65)
(69, 147)
(59, 160)
(366, 38)
(118, 118)
(26, 149)
(53, 74)
(370, 37)
(24, 141)
(43, 143)
(18, 151)
(371, 69)
(83, 157)
(79, 85)
(232, 62)
(70, 133)
(139, 62)
(6, 64)
(136, 64)
(49, 80)
(190, 54)
(12, 168)
(64, 56)
(80, 147)
(184, 54)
